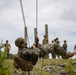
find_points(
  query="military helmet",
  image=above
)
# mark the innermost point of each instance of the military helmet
(57, 38)
(6, 40)
(18, 41)
(36, 39)
(45, 36)
(58, 42)
(65, 41)
(52, 41)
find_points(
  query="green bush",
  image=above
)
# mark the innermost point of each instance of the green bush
(3, 67)
(69, 68)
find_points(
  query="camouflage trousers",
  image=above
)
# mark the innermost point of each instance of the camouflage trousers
(7, 53)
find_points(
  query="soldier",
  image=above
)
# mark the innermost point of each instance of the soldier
(64, 46)
(53, 53)
(36, 44)
(44, 42)
(60, 51)
(56, 43)
(19, 62)
(7, 48)
(26, 58)
(21, 44)
(58, 54)
(57, 40)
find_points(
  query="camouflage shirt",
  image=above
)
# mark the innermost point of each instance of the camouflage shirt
(7, 46)
(45, 41)
(64, 47)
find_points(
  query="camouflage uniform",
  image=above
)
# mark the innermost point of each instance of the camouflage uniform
(58, 42)
(65, 46)
(7, 48)
(60, 51)
(27, 57)
(44, 42)
(36, 44)
(53, 53)
(19, 62)
(48, 48)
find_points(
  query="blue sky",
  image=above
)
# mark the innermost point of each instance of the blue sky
(60, 15)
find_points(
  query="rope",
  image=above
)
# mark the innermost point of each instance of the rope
(22, 13)
(37, 16)
(42, 66)
(37, 30)
(24, 20)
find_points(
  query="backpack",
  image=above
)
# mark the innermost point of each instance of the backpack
(23, 64)
(30, 54)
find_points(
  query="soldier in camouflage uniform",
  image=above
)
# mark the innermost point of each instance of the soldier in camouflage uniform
(26, 58)
(36, 44)
(64, 46)
(58, 54)
(65, 55)
(7, 48)
(44, 42)
(53, 53)
(19, 62)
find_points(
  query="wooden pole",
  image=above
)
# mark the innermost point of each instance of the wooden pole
(25, 34)
(46, 33)
(35, 33)
(46, 30)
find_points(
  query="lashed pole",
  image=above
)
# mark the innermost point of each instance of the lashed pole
(25, 28)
